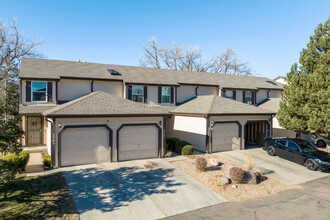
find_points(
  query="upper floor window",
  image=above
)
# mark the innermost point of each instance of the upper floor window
(138, 93)
(166, 95)
(39, 91)
(248, 97)
(229, 94)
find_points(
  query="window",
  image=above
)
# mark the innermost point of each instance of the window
(137, 93)
(248, 97)
(166, 95)
(39, 91)
(281, 141)
(229, 94)
(293, 146)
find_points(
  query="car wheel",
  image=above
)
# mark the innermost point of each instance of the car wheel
(321, 144)
(311, 164)
(270, 150)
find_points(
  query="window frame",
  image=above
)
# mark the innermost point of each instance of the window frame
(167, 95)
(226, 92)
(252, 97)
(138, 94)
(46, 92)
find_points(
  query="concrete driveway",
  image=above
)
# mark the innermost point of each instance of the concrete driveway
(144, 189)
(283, 170)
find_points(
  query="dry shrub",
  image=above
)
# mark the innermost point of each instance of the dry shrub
(249, 162)
(201, 163)
(236, 174)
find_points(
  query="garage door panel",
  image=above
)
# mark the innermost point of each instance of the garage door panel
(138, 142)
(225, 137)
(84, 146)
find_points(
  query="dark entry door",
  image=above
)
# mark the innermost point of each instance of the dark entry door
(34, 130)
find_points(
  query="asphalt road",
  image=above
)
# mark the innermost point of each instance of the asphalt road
(311, 201)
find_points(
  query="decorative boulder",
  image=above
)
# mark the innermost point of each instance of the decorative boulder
(250, 177)
(224, 180)
(214, 162)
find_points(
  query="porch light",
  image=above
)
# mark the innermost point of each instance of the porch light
(160, 122)
(59, 125)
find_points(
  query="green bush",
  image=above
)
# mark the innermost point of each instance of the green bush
(187, 150)
(172, 141)
(179, 145)
(16, 161)
(46, 160)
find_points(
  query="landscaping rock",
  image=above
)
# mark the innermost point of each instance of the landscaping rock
(168, 154)
(250, 177)
(214, 162)
(234, 186)
(224, 180)
(328, 148)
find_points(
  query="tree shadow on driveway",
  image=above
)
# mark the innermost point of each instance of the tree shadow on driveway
(108, 190)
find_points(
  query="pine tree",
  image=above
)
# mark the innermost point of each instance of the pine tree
(305, 104)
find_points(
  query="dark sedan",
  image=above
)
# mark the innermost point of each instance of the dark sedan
(298, 151)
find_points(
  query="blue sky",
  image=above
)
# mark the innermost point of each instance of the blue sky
(267, 34)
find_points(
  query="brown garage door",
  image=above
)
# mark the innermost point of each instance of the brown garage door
(225, 136)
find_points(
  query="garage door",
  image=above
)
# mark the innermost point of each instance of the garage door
(84, 146)
(138, 142)
(225, 136)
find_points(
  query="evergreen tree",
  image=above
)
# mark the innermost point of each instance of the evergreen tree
(305, 104)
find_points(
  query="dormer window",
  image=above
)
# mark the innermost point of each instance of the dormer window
(39, 91)
(138, 93)
(229, 94)
(114, 72)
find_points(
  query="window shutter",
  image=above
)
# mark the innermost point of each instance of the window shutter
(234, 94)
(223, 93)
(28, 91)
(172, 95)
(159, 94)
(244, 96)
(254, 98)
(50, 91)
(145, 93)
(129, 92)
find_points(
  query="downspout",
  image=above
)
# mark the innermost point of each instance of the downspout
(208, 134)
(92, 86)
(52, 141)
(196, 92)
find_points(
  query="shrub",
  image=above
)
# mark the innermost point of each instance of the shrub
(236, 174)
(16, 161)
(46, 160)
(172, 142)
(249, 162)
(187, 150)
(201, 163)
(179, 145)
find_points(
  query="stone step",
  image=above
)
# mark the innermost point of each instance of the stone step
(35, 163)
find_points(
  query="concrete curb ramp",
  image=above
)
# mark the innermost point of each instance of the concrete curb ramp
(143, 189)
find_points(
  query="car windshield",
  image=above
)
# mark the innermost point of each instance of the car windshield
(307, 147)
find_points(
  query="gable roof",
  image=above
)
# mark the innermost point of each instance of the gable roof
(99, 103)
(57, 69)
(38, 108)
(272, 104)
(215, 105)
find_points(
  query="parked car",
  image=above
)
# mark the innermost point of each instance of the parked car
(319, 141)
(298, 151)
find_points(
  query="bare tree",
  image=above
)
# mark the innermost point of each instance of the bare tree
(228, 62)
(152, 54)
(13, 46)
(190, 59)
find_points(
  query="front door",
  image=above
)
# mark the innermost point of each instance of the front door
(34, 130)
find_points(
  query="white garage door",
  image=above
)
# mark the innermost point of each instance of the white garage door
(225, 137)
(138, 142)
(84, 146)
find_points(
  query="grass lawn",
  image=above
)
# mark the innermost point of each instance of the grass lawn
(42, 197)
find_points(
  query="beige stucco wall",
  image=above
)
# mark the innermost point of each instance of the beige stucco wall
(114, 123)
(261, 95)
(275, 93)
(188, 128)
(71, 89)
(239, 95)
(242, 120)
(185, 93)
(207, 90)
(112, 87)
(48, 137)
(152, 98)
(24, 102)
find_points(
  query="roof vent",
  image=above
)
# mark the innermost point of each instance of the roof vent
(114, 72)
(271, 82)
